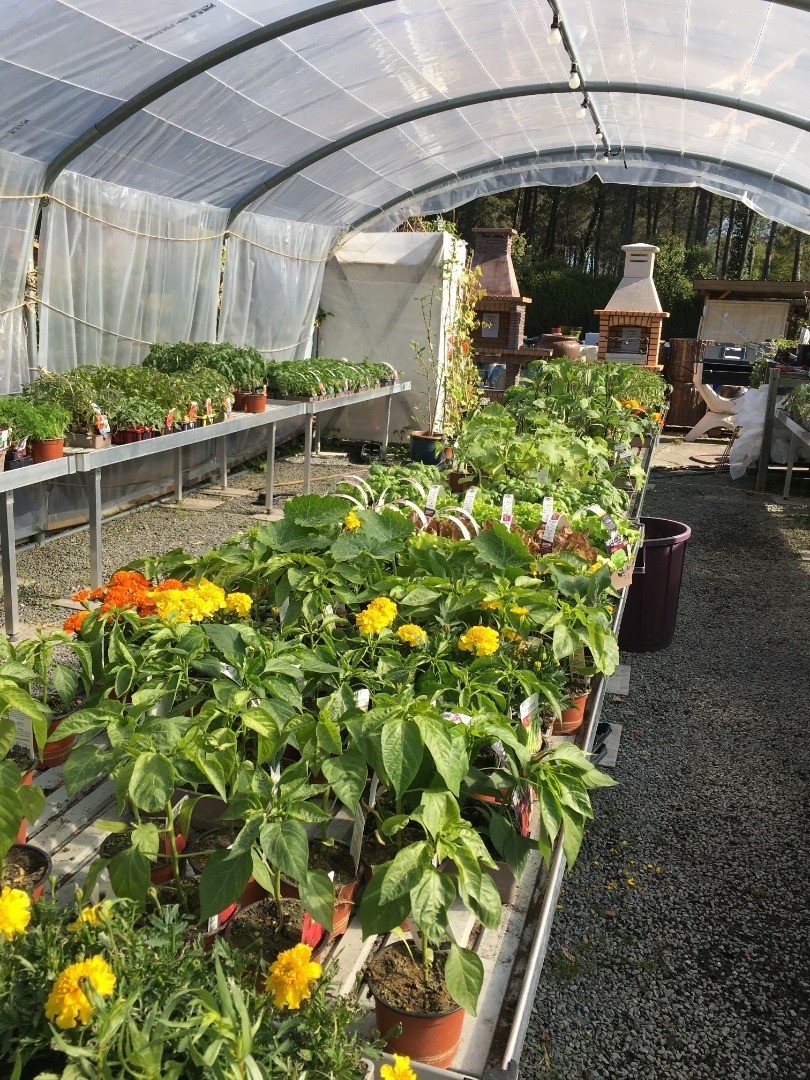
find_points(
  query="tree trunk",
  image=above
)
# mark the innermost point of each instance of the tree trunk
(797, 257)
(659, 195)
(704, 209)
(551, 228)
(766, 265)
(691, 222)
(587, 239)
(675, 193)
(629, 215)
(717, 246)
(745, 239)
(729, 231)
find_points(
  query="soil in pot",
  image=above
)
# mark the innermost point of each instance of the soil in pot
(26, 868)
(256, 929)
(373, 853)
(337, 860)
(167, 894)
(219, 840)
(160, 871)
(430, 1020)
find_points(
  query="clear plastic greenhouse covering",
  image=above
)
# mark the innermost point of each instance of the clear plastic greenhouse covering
(169, 118)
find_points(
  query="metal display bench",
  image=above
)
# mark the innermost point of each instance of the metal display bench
(778, 383)
(93, 462)
(797, 434)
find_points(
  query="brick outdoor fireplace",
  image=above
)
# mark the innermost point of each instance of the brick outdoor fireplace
(630, 324)
(503, 310)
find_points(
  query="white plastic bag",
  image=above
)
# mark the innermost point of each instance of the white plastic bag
(750, 419)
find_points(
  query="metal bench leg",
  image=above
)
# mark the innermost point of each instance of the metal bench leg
(11, 608)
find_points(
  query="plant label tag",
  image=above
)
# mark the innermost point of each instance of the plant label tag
(469, 500)
(542, 476)
(432, 499)
(230, 672)
(595, 509)
(192, 411)
(529, 711)
(170, 419)
(457, 718)
(23, 730)
(328, 610)
(522, 808)
(311, 932)
(358, 828)
(373, 788)
(213, 924)
(506, 511)
(282, 611)
(577, 659)
(362, 697)
(380, 503)
(500, 753)
(547, 541)
(548, 508)
(209, 409)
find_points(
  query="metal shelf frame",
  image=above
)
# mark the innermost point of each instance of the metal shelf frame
(93, 462)
(797, 434)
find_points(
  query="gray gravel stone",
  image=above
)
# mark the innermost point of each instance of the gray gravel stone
(701, 969)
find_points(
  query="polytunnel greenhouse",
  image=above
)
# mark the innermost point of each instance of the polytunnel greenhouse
(357, 717)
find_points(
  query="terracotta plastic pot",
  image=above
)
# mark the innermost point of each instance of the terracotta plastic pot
(572, 718)
(46, 450)
(252, 403)
(128, 435)
(344, 903)
(56, 750)
(432, 1038)
(26, 781)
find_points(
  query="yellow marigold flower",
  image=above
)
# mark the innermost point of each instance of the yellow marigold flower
(412, 635)
(380, 613)
(400, 1070)
(595, 566)
(512, 635)
(67, 1002)
(481, 640)
(90, 915)
(352, 521)
(15, 911)
(291, 976)
(521, 612)
(657, 416)
(239, 603)
(491, 605)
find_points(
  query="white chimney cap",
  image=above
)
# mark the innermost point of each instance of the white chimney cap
(641, 247)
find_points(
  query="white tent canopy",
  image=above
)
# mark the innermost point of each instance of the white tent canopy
(350, 112)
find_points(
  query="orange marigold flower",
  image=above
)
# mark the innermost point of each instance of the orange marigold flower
(73, 622)
(82, 595)
(170, 583)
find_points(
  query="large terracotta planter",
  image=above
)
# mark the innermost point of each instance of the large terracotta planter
(46, 450)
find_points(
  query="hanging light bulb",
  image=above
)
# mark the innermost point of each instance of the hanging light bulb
(554, 34)
(574, 80)
(582, 111)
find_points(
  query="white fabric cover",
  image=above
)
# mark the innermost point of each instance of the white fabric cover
(272, 284)
(372, 289)
(18, 177)
(121, 269)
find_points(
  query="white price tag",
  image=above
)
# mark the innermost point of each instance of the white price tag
(24, 732)
(362, 698)
(373, 788)
(469, 499)
(542, 476)
(529, 717)
(432, 499)
(548, 507)
(506, 510)
(213, 924)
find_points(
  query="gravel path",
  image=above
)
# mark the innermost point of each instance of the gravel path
(680, 948)
(61, 567)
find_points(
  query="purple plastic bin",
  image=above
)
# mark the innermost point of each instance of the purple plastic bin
(651, 611)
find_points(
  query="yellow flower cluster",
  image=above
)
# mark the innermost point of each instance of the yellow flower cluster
(352, 521)
(491, 605)
(481, 640)
(238, 603)
(90, 915)
(400, 1070)
(380, 613)
(198, 602)
(15, 912)
(412, 635)
(67, 1002)
(521, 612)
(291, 976)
